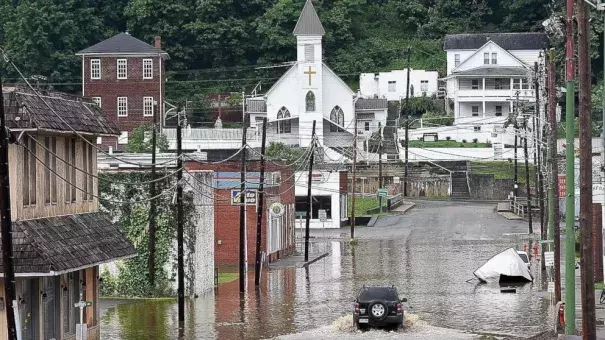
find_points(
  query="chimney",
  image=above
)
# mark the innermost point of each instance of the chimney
(158, 41)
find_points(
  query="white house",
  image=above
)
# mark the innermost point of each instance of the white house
(486, 74)
(328, 192)
(393, 85)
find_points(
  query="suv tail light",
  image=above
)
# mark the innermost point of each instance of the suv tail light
(399, 308)
(356, 308)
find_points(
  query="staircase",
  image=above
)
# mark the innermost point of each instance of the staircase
(460, 186)
(389, 134)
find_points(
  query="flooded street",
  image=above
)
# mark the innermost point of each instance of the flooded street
(430, 254)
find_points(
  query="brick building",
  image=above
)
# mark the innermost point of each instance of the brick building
(125, 77)
(277, 232)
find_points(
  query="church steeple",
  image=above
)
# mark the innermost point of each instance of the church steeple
(308, 22)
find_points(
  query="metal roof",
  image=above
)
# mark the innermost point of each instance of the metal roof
(508, 41)
(371, 104)
(65, 243)
(308, 22)
(122, 43)
(26, 109)
(493, 71)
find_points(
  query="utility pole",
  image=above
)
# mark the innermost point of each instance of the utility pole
(515, 126)
(261, 196)
(153, 202)
(553, 189)
(570, 245)
(586, 228)
(354, 176)
(310, 180)
(6, 225)
(537, 152)
(179, 220)
(242, 211)
(407, 123)
(380, 165)
(528, 186)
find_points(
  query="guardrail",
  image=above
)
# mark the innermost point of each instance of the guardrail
(520, 207)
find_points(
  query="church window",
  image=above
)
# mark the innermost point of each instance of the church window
(309, 53)
(310, 102)
(337, 116)
(283, 126)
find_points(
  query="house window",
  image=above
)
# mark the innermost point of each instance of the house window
(477, 128)
(70, 170)
(99, 140)
(148, 106)
(520, 84)
(29, 170)
(96, 101)
(309, 53)
(424, 85)
(337, 117)
(456, 60)
(475, 84)
(123, 139)
(317, 203)
(50, 170)
(494, 58)
(366, 126)
(392, 86)
(95, 68)
(310, 102)
(498, 110)
(283, 126)
(486, 58)
(122, 107)
(475, 110)
(147, 68)
(122, 69)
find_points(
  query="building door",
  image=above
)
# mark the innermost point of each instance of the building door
(29, 307)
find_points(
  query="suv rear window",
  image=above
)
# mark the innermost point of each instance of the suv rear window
(388, 294)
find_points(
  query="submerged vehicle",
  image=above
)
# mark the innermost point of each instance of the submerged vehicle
(506, 266)
(378, 306)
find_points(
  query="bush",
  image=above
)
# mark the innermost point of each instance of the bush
(448, 138)
(438, 118)
(475, 140)
(464, 141)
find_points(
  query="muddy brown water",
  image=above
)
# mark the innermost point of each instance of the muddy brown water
(429, 254)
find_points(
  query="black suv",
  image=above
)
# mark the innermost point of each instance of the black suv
(378, 306)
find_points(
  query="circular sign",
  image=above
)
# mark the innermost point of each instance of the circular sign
(277, 209)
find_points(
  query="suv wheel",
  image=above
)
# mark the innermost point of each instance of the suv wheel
(378, 310)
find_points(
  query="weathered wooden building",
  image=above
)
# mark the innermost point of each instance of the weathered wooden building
(59, 235)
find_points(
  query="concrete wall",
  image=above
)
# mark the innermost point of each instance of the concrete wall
(424, 186)
(486, 187)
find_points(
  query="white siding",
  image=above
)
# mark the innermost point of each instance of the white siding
(476, 60)
(370, 87)
(529, 57)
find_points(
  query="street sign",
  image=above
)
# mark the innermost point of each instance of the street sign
(383, 192)
(551, 287)
(250, 198)
(323, 216)
(549, 259)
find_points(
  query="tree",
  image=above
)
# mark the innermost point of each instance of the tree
(280, 152)
(140, 141)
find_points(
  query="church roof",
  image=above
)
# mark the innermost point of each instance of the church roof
(122, 43)
(308, 22)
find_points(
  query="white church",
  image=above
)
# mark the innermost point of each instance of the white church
(310, 91)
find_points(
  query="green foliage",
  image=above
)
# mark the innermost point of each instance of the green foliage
(277, 151)
(132, 220)
(437, 118)
(108, 285)
(140, 140)
(363, 205)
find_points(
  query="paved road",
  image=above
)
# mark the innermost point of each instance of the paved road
(429, 254)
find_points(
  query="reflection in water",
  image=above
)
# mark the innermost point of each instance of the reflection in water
(432, 275)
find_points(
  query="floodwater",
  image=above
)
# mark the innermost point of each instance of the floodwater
(429, 254)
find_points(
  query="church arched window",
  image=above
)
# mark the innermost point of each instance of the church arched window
(310, 101)
(283, 126)
(337, 116)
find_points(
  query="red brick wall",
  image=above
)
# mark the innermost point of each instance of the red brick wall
(226, 216)
(109, 88)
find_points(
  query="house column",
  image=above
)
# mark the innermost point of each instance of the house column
(484, 108)
(90, 280)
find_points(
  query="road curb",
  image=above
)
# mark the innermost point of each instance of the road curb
(306, 264)
(410, 205)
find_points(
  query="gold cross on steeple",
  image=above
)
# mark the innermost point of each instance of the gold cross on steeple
(310, 72)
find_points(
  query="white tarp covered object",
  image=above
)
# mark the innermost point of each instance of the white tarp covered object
(506, 266)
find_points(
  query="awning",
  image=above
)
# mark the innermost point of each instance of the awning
(56, 245)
